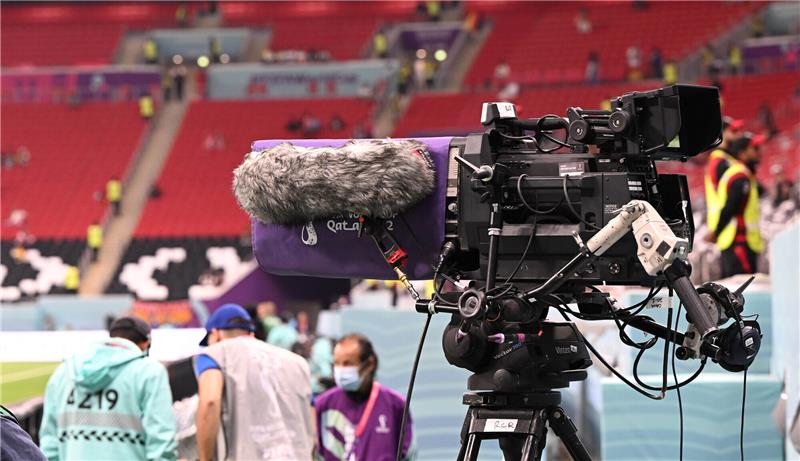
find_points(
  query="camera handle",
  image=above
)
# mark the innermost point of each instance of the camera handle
(492, 177)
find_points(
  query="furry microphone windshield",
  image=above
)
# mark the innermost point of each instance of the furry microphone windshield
(287, 184)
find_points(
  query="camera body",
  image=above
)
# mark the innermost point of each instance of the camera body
(596, 187)
(607, 159)
(520, 212)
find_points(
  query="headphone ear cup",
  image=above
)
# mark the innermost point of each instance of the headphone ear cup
(740, 345)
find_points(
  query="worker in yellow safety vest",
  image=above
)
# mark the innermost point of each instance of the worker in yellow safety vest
(718, 163)
(150, 51)
(114, 194)
(72, 279)
(380, 44)
(733, 222)
(94, 239)
(146, 106)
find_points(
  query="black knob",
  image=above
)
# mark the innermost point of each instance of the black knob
(619, 121)
(472, 304)
(580, 131)
(682, 353)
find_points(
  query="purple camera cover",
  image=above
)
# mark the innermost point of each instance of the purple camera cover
(331, 247)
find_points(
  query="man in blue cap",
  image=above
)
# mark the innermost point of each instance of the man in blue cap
(254, 398)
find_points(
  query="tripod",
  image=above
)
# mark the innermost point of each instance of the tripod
(518, 422)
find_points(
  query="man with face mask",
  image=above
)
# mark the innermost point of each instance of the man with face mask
(734, 225)
(359, 419)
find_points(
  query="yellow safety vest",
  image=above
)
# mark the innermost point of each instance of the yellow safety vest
(150, 50)
(113, 190)
(379, 43)
(735, 57)
(670, 74)
(713, 207)
(751, 212)
(433, 8)
(94, 236)
(72, 278)
(146, 106)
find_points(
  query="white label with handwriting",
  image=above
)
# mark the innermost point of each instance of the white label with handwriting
(659, 301)
(500, 425)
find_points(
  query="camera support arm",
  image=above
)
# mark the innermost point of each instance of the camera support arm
(658, 249)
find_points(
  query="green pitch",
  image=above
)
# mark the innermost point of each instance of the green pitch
(20, 381)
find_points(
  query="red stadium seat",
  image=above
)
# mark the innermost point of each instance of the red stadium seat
(55, 34)
(73, 153)
(541, 35)
(342, 28)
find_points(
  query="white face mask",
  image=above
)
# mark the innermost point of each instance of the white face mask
(347, 378)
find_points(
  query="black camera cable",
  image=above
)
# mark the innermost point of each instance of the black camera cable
(620, 375)
(410, 391)
(741, 427)
(744, 388)
(675, 377)
(558, 142)
(572, 208)
(407, 404)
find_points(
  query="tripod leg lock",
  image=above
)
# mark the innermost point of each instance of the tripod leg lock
(565, 429)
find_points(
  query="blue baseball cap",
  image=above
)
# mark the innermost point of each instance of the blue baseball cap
(228, 317)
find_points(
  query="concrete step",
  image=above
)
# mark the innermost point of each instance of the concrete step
(143, 174)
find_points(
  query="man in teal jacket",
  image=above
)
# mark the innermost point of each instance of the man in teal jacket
(110, 402)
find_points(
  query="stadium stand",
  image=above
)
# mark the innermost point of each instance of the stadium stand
(164, 269)
(73, 152)
(540, 42)
(196, 195)
(57, 34)
(39, 268)
(319, 25)
(742, 96)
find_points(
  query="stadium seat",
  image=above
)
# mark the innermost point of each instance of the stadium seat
(542, 36)
(40, 269)
(73, 152)
(342, 28)
(165, 269)
(56, 34)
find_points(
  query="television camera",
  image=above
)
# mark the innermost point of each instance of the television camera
(541, 210)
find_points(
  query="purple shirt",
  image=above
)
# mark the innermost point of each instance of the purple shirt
(338, 416)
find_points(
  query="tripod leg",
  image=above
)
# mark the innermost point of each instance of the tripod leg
(469, 449)
(470, 443)
(564, 428)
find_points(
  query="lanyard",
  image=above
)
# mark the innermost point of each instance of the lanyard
(362, 423)
(373, 396)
